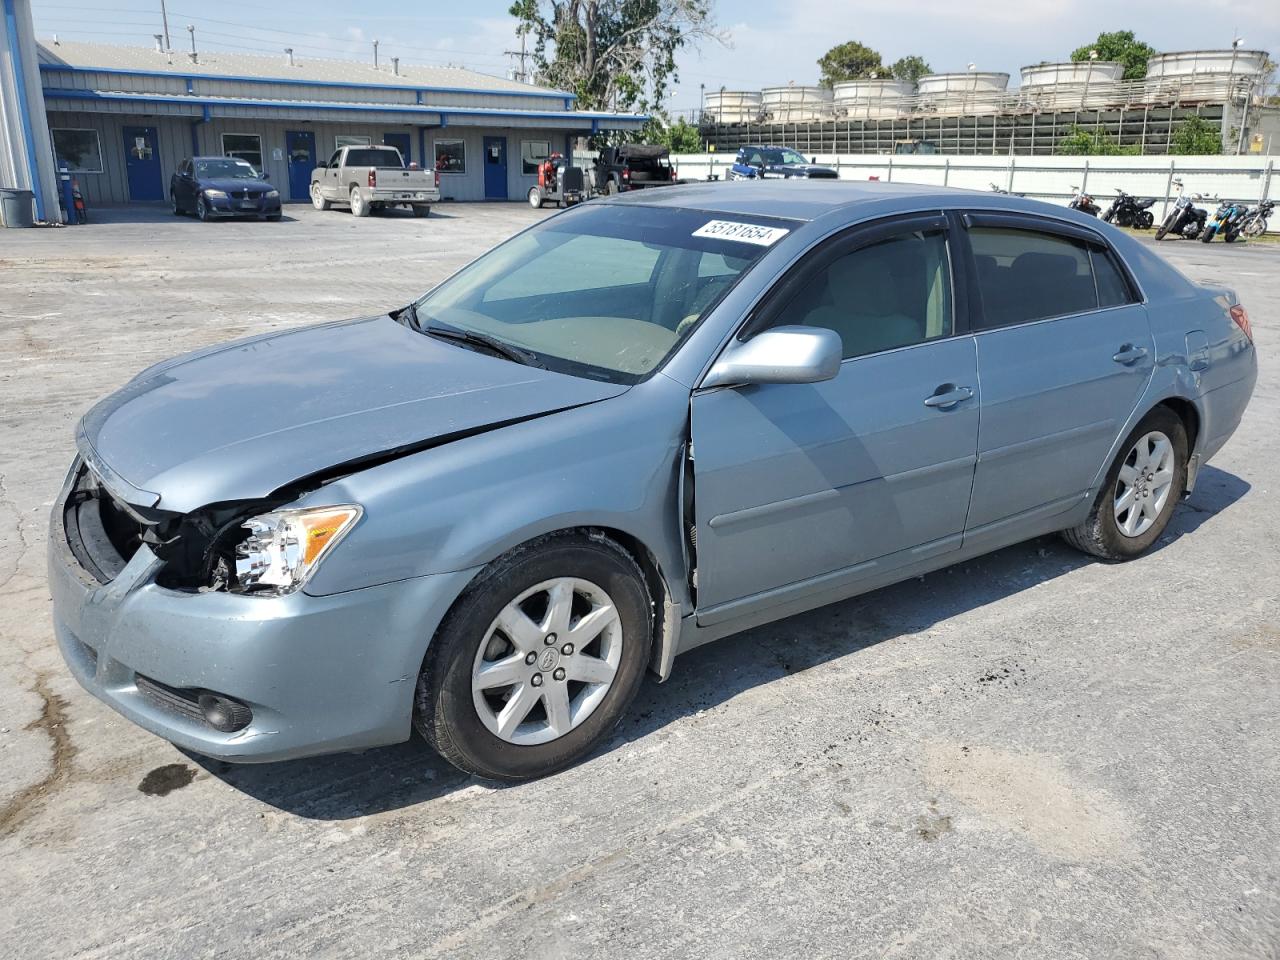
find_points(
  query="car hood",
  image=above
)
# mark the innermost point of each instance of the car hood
(244, 419)
(232, 183)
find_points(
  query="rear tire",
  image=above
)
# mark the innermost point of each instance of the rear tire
(1102, 533)
(448, 702)
(1254, 229)
(317, 199)
(1144, 220)
(422, 209)
(177, 208)
(358, 206)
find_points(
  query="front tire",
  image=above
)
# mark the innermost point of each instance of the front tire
(202, 209)
(1164, 228)
(1141, 489)
(538, 660)
(535, 198)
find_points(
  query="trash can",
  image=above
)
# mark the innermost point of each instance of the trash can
(15, 207)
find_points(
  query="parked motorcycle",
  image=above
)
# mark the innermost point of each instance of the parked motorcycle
(1227, 221)
(1184, 219)
(1254, 224)
(996, 188)
(1083, 202)
(1128, 211)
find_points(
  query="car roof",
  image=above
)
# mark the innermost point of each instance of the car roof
(216, 156)
(794, 199)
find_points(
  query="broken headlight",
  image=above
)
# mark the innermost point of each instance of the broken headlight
(284, 547)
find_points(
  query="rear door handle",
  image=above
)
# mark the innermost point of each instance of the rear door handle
(1129, 354)
(947, 396)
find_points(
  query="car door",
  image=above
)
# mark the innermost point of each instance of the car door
(329, 180)
(1065, 352)
(806, 487)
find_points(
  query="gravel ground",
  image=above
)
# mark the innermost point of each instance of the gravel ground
(1028, 755)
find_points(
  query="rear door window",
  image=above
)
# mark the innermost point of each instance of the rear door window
(1025, 275)
(1113, 288)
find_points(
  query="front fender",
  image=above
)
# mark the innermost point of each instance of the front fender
(612, 463)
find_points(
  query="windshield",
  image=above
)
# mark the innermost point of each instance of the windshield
(225, 170)
(782, 156)
(606, 291)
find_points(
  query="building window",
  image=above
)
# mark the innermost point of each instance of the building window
(244, 146)
(80, 150)
(351, 140)
(451, 156)
(532, 153)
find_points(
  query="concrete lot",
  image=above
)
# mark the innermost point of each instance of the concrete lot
(1029, 755)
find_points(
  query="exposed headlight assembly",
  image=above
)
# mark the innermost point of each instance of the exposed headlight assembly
(284, 547)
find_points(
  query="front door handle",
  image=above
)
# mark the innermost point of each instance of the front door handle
(947, 396)
(1129, 354)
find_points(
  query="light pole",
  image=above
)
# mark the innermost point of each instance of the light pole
(1231, 85)
(1088, 75)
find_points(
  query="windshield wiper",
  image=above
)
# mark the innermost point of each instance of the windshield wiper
(482, 340)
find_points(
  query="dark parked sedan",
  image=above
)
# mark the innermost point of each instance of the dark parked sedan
(212, 187)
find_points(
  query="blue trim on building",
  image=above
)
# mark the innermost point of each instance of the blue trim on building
(294, 81)
(24, 109)
(595, 119)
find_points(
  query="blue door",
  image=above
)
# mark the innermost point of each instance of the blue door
(401, 142)
(495, 168)
(142, 164)
(301, 146)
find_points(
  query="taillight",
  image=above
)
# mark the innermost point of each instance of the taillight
(1241, 316)
(626, 173)
(373, 177)
(437, 179)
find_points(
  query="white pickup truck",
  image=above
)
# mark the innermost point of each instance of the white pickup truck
(371, 178)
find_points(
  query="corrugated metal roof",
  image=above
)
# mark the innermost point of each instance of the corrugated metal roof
(217, 63)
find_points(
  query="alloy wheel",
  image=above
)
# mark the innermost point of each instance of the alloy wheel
(1144, 484)
(547, 661)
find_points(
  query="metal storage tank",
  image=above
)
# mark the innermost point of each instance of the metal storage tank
(732, 106)
(795, 103)
(1203, 74)
(958, 94)
(1070, 85)
(871, 99)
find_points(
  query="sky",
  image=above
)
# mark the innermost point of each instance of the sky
(768, 42)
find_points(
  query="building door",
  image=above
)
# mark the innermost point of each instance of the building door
(142, 163)
(495, 168)
(401, 142)
(301, 146)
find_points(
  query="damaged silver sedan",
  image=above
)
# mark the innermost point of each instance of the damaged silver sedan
(638, 426)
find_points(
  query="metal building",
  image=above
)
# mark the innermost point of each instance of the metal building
(26, 163)
(122, 118)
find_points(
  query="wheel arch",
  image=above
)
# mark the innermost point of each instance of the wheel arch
(665, 633)
(1188, 414)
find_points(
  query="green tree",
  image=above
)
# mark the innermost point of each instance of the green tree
(614, 54)
(910, 68)
(1121, 46)
(849, 61)
(678, 137)
(1196, 136)
(1084, 143)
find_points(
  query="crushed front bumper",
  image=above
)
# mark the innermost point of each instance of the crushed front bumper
(320, 674)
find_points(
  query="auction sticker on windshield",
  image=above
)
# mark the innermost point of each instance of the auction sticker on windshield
(742, 232)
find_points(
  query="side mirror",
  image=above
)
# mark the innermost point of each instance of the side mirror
(780, 355)
(813, 159)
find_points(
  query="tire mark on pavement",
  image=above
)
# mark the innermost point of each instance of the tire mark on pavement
(53, 721)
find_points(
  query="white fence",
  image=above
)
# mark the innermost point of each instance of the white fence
(1245, 179)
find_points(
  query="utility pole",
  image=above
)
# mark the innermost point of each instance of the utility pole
(523, 54)
(164, 16)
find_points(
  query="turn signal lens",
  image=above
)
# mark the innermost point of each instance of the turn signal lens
(1241, 316)
(284, 547)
